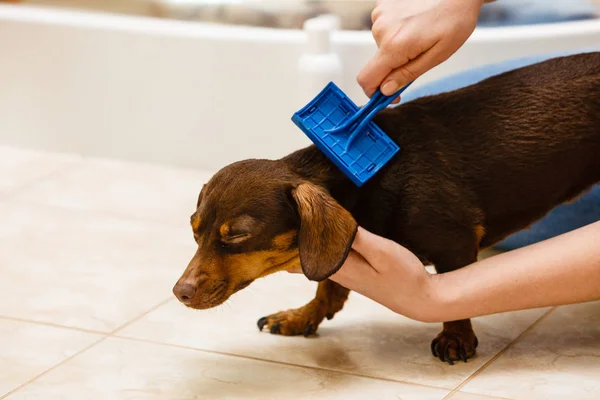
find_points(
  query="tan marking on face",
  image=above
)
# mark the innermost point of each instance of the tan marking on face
(196, 222)
(285, 240)
(258, 264)
(224, 229)
(479, 232)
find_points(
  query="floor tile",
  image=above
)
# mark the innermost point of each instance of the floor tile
(79, 269)
(364, 338)
(27, 350)
(471, 396)
(119, 370)
(558, 359)
(130, 189)
(20, 167)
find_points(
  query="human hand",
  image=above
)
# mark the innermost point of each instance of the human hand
(414, 36)
(389, 274)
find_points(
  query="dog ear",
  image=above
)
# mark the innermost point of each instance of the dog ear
(200, 195)
(327, 231)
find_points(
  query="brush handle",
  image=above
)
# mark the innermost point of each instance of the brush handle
(377, 103)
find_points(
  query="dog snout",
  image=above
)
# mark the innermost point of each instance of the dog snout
(185, 292)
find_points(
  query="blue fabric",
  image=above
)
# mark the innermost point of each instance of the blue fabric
(563, 218)
(527, 12)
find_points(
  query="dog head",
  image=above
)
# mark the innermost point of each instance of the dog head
(257, 217)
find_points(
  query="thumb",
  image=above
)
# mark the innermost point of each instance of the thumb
(373, 248)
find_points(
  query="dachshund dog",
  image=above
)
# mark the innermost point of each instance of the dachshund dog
(476, 165)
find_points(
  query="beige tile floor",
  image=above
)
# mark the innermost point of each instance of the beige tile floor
(89, 251)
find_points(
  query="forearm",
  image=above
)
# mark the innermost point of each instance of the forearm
(561, 270)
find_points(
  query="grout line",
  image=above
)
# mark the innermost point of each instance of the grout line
(12, 196)
(53, 325)
(142, 315)
(487, 397)
(276, 362)
(21, 386)
(500, 353)
(106, 336)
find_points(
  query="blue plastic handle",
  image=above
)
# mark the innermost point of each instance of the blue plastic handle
(377, 103)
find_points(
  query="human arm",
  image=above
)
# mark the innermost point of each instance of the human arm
(557, 271)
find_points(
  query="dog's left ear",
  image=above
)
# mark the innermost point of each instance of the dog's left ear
(200, 195)
(327, 231)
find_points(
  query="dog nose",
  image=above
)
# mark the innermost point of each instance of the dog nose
(184, 292)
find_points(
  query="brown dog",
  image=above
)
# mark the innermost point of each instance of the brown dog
(475, 165)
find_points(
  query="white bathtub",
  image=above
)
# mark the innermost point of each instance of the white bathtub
(187, 93)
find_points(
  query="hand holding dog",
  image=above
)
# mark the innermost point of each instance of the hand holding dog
(557, 271)
(389, 274)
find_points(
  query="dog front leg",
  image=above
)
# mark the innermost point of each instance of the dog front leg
(457, 341)
(330, 299)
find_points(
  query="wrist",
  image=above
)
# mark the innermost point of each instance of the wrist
(440, 299)
(430, 302)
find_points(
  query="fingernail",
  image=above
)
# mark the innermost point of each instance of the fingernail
(389, 88)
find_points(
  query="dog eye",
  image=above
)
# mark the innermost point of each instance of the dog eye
(234, 239)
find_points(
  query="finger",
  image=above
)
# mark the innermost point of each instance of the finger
(373, 73)
(410, 71)
(372, 248)
(295, 270)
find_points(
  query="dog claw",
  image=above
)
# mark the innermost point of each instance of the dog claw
(452, 347)
(261, 323)
(438, 353)
(276, 328)
(308, 330)
(329, 316)
(463, 354)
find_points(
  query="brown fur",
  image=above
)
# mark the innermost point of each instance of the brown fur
(475, 165)
(330, 299)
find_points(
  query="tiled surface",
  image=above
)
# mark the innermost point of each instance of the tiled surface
(471, 396)
(89, 248)
(134, 370)
(27, 350)
(124, 189)
(85, 270)
(19, 168)
(364, 338)
(558, 359)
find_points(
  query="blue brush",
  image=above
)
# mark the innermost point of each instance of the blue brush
(346, 134)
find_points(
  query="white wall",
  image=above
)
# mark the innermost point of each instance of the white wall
(187, 93)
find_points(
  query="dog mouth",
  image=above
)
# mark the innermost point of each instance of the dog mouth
(218, 295)
(206, 303)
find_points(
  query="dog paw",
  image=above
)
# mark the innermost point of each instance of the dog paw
(292, 322)
(454, 346)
